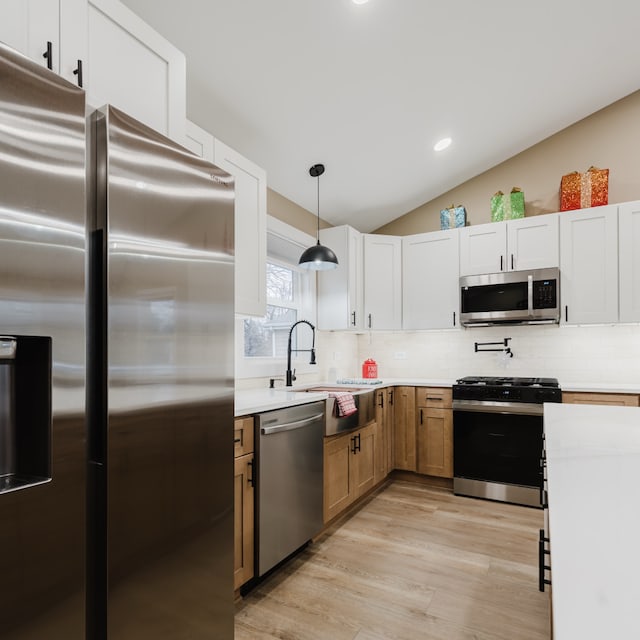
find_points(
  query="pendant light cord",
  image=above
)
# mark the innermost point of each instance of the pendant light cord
(318, 210)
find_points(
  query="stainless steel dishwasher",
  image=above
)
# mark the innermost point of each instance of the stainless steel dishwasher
(289, 481)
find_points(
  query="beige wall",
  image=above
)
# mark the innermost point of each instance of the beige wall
(288, 211)
(610, 139)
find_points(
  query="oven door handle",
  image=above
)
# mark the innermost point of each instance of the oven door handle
(517, 408)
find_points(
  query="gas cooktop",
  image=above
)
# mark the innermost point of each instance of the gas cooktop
(509, 381)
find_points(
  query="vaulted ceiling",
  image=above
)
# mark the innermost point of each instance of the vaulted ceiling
(369, 89)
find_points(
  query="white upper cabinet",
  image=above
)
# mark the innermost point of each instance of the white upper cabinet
(430, 280)
(250, 229)
(513, 245)
(340, 290)
(382, 282)
(51, 32)
(533, 243)
(629, 261)
(589, 265)
(199, 141)
(483, 248)
(130, 66)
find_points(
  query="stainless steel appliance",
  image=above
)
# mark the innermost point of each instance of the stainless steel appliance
(160, 380)
(289, 481)
(335, 423)
(42, 312)
(116, 496)
(510, 297)
(497, 437)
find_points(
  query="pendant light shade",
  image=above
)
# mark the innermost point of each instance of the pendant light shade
(318, 257)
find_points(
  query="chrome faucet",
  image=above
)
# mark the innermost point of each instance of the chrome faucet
(291, 374)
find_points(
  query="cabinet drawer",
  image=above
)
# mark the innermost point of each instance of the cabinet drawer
(243, 436)
(616, 399)
(438, 397)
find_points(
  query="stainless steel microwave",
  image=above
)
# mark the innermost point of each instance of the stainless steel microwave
(511, 297)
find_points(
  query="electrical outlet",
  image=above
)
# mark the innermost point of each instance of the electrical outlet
(400, 355)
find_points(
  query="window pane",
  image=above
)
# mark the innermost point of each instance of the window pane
(267, 337)
(280, 282)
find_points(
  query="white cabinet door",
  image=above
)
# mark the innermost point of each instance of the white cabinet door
(533, 243)
(340, 290)
(589, 265)
(198, 141)
(53, 33)
(629, 261)
(483, 248)
(430, 280)
(382, 282)
(250, 228)
(133, 68)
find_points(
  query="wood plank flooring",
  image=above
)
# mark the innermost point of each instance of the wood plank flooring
(413, 563)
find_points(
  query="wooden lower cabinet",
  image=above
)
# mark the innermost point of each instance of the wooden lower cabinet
(349, 468)
(384, 435)
(616, 399)
(243, 536)
(404, 416)
(434, 432)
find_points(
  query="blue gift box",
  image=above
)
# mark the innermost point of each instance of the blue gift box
(453, 217)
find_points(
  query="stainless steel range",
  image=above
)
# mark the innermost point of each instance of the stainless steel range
(497, 437)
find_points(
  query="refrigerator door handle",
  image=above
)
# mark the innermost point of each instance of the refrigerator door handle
(290, 426)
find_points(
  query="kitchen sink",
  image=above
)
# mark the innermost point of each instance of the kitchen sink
(365, 403)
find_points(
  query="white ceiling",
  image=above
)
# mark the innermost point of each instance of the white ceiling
(368, 89)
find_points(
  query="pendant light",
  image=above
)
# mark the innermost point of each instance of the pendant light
(317, 257)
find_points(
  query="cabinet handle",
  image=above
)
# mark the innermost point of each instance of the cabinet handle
(542, 552)
(512, 267)
(381, 405)
(566, 313)
(436, 398)
(358, 437)
(48, 55)
(369, 321)
(501, 262)
(237, 440)
(353, 318)
(420, 416)
(78, 72)
(353, 444)
(251, 479)
(454, 318)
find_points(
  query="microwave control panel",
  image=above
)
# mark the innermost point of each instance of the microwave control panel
(545, 294)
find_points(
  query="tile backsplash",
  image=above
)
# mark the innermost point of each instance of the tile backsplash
(598, 354)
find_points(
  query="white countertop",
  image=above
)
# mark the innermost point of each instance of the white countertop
(593, 468)
(600, 387)
(250, 401)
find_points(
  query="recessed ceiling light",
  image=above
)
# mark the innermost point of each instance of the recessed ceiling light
(441, 145)
(360, 1)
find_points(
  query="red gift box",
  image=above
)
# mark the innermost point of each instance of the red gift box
(581, 190)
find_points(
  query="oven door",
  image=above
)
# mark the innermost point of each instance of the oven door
(498, 442)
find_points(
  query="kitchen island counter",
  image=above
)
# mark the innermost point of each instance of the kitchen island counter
(593, 457)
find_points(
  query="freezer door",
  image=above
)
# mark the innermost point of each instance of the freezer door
(162, 253)
(42, 272)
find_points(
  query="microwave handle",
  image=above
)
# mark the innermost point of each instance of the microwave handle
(530, 293)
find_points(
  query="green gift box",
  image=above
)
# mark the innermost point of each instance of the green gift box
(507, 207)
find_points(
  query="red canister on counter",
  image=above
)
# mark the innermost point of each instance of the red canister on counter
(369, 368)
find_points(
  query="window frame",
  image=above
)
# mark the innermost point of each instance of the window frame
(259, 367)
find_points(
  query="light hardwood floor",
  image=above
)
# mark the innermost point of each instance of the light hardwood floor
(413, 563)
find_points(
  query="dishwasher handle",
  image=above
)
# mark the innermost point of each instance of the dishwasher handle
(289, 426)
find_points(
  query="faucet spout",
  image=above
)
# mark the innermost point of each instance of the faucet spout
(290, 377)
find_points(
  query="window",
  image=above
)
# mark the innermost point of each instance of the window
(262, 344)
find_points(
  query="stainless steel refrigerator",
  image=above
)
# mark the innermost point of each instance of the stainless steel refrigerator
(116, 269)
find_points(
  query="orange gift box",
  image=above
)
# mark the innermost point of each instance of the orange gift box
(581, 190)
